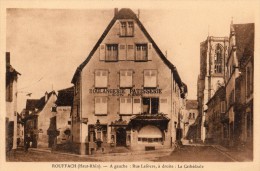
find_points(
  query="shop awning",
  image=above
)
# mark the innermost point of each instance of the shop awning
(150, 131)
(159, 120)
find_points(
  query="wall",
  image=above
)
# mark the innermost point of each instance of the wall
(44, 122)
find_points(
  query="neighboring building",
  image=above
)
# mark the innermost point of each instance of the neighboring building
(239, 87)
(213, 54)
(40, 121)
(20, 130)
(190, 118)
(11, 105)
(63, 114)
(127, 93)
(215, 122)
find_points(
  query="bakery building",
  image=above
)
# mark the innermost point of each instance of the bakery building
(127, 93)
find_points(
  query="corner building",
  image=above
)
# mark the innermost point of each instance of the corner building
(127, 94)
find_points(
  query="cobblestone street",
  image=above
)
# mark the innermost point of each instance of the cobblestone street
(185, 154)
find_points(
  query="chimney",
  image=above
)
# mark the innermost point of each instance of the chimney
(46, 96)
(138, 14)
(116, 11)
(7, 58)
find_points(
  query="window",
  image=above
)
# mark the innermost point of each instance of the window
(141, 52)
(111, 52)
(101, 78)
(9, 89)
(125, 105)
(150, 78)
(222, 107)
(127, 28)
(218, 59)
(54, 109)
(150, 105)
(126, 78)
(100, 105)
(249, 81)
(193, 115)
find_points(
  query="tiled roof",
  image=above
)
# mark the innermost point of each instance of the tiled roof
(32, 104)
(244, 39)
(126, 13)
(191, 104)
(65, 97)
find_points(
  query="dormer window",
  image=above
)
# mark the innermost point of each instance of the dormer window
(126, 28)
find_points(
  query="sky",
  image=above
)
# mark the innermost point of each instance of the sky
(47, 45)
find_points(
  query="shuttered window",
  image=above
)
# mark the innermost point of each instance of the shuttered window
(100, 105)
(101, 78)
(126, 78)
(150, 78)
(125, 105)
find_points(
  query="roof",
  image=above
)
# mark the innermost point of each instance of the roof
(32, 104)
(126, 13)
(244, 39)
(191, 104)
(65, 97)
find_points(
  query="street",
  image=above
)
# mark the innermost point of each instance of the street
(185, 154)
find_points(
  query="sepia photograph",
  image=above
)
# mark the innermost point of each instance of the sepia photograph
(123, 86)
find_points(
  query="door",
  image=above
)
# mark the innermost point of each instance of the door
(120, 137)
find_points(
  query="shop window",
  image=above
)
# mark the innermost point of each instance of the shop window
(127, 28)
(126, 78)
(141, 53)
(100, 105)
(111, 52)
(125, 105)
(150, 105)
(101, 78)
(150, 78)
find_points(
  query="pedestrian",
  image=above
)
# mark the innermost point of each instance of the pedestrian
(27, 142)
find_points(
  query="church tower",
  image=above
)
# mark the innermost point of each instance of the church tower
(213, 54)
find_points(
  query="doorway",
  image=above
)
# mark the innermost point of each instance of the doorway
(120, 137)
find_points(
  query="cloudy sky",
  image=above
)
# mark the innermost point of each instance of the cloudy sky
(47, 45)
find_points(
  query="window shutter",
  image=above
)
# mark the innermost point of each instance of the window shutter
(102, 52)
(122, 52)
(136, 105)
(149, 51)
(130, 52)
(163, 106)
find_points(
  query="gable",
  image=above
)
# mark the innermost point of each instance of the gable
(113, 28)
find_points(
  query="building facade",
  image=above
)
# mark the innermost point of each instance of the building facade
(126, 92)
(11, 105)
(190, 118)
(213, 54)
(63, 114)
(215, 121)
(40, 121)
(239, 87)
